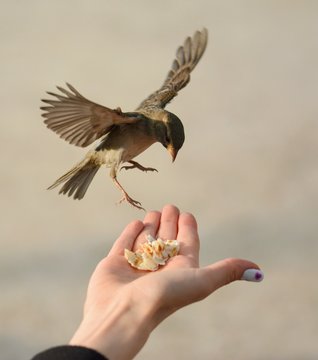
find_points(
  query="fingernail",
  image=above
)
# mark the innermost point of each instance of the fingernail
(255, 275)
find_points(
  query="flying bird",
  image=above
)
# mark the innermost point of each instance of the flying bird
(124, 135)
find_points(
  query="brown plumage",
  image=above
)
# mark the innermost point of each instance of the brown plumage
(124, 135)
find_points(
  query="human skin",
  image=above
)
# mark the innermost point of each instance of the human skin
(123, 305)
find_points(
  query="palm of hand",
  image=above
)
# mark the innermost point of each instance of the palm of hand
(178, 283)
(114, 275)
(124, 305)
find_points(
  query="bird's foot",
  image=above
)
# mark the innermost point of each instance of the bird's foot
(138, 166)
(131, 201)
(126, 197)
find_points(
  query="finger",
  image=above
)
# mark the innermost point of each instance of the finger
(151, 224)
(188, 237)
(226, 271)
(127, 238)
(186, 286)
(169, 223)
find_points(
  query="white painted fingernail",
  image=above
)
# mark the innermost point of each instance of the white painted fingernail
(255, 275)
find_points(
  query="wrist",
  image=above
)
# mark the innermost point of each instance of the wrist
(118, 331)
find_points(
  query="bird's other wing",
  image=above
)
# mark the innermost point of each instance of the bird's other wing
(187, 57)
(79, 120)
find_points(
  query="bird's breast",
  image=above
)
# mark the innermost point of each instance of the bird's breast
(125, 142)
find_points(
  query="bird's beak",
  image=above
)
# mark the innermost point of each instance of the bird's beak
(173, 152)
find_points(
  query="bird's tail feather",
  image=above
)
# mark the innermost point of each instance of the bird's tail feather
(77, 180)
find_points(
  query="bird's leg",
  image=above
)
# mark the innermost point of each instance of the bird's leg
(138, 166)
(126, 197)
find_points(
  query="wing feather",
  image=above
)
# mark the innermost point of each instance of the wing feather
(187, 57)
(79, 120)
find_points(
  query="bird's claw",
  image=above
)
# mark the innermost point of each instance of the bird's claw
(140, 167)
(150, 169)
(131, 201)
(126, 167)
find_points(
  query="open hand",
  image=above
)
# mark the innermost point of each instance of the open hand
(124, 304)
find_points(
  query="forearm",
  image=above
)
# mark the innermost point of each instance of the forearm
(119, 333)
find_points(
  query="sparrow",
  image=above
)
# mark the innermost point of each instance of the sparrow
(124, 135)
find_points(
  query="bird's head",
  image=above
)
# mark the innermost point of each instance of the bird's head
(171, 134)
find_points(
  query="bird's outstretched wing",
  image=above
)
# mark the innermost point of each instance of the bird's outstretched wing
(79, 120)
(187, 57)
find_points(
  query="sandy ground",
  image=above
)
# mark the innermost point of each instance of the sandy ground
(248, 169)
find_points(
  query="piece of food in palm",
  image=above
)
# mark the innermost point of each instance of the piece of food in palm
(153, 253)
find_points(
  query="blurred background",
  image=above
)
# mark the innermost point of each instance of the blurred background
(248, 169)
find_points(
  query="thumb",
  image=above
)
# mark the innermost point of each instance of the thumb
(228, 270)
